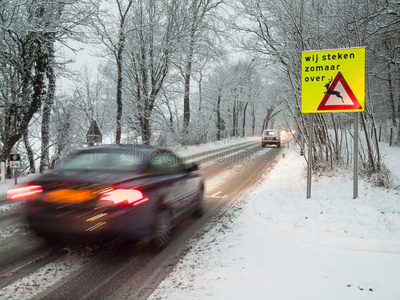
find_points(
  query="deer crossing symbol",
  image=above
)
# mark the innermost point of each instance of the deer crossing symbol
(330, 92)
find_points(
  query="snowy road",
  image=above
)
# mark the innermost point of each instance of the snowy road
(30, 269)
(271, 243)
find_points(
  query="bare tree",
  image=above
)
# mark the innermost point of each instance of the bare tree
(198, 10)
(114, 40)
(158, 35)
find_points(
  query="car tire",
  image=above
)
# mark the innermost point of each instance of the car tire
(200, 205)
(162, 230)
(279, 145)
(263, 145)
(48, 239)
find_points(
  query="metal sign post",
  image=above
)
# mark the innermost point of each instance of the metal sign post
(355, 170)
(3, 172)
(333, 81)
(309, 169)
(15, 163)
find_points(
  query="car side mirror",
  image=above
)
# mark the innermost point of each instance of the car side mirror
(192, 167)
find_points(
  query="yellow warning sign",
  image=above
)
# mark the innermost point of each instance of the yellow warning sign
(333, 80)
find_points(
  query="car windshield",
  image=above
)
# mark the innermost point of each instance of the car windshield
(270, 132)
(103, 161)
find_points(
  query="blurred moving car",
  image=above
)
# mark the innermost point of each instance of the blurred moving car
(271, 137)
(131, 191)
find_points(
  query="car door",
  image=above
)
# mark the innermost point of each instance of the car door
(171, 170)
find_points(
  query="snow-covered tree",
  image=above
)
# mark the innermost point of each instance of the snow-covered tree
(30, 30)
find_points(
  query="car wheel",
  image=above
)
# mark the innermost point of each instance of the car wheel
(49, 239)
(279, 145)
(263, 145)
(200, 205)
(162, 230)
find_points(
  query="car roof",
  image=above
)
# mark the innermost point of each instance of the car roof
(122, 147)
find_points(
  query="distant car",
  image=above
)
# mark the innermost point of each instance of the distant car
(271, 137)
(131, 191)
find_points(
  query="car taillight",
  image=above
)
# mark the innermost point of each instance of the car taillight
(27, 192)
(130, 197)
(264, 138)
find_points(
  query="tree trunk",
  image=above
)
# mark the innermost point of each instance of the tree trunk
(244, 119)
(391, 99)
(118, 58)
(369, 148)
(253, 119)
(46, 113)
(29, 152)
(234, 119)
(218, 117)
(44, 155)
(188, 73)
(200, 92)
(119, 101)
(145, 128)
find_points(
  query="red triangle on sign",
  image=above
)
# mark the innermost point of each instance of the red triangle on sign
(339, 96)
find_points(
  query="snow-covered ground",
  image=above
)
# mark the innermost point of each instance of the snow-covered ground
(276, 244)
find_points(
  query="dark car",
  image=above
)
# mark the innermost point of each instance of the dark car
(130, 191)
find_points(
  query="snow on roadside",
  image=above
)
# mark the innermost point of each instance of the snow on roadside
(35, 283)
(331, 217)
(4, 209)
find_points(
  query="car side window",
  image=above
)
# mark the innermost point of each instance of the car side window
(166, 162)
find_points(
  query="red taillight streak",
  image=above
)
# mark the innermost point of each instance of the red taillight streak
(24, 192)
(130, 197)
(139, 201)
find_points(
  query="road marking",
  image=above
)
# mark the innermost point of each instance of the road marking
(216, 195)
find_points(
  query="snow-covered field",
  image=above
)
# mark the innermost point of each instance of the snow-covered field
(276, 244)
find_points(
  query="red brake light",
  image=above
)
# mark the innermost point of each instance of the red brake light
(263, 138)
(131, 197)
(24, 192)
